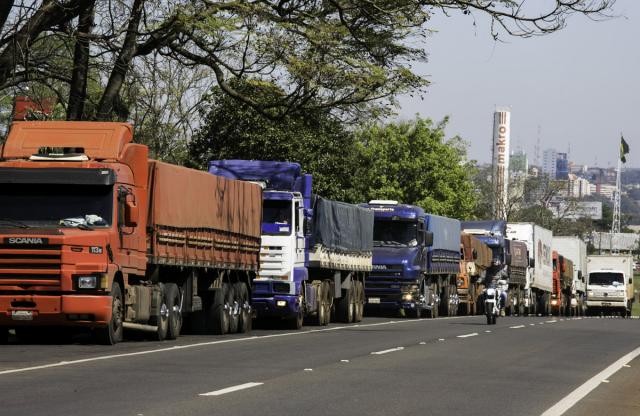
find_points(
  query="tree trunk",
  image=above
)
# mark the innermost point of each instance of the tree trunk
(78, 86)
(106, 106)
(5, 9)
(50, 13)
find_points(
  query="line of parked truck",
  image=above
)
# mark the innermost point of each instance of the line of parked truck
(95, 234)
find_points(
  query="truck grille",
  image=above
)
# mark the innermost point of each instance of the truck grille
(30, 265)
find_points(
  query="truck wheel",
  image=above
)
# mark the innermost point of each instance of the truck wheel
(175, 311)
(359, 301)
(435, 305)
(112, 333)
(345, 309)
(320, 308)
(297, 321)
(233, 303)
(162, 319)
(446, 302)
(242, 295)
(217, 321)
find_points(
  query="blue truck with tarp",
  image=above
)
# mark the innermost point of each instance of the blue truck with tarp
(315, 253)
(416, 259)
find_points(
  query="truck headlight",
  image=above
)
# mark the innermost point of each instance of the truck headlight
(407, 297)
(589, 292)
(87, 282)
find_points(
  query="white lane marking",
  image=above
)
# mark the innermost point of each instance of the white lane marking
(517, 327)
(532, 324)
(626, 366)
(605, 381)
(468, 335)
(308, 369)
(423, 343)
(578, 394)
(440, 339)
(344, 361)
(551, 322)
(487, 331)
(387, 351)
(208, 343)
(231, 389)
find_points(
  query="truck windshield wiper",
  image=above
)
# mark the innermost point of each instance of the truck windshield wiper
(15, 223)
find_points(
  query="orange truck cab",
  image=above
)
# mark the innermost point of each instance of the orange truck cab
(77, 241)
(56, 265)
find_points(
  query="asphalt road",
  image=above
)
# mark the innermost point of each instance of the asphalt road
(383, 366)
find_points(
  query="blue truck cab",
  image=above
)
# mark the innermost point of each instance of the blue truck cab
(416, 258)
(314, 253)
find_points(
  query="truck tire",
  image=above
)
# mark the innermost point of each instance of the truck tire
(162, 319)
(435, 305)
(445, 304)
(345, 308)
(320, 308)
(233, 304)
(297, 321)
(359, 301)
(244, 318)
(217, 320)
(174, 302)
(112, 333)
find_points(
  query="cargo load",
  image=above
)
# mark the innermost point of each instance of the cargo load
(196, 218)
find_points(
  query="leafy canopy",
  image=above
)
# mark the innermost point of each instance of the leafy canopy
(413, 162)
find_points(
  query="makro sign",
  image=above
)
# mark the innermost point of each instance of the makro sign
(501, 138)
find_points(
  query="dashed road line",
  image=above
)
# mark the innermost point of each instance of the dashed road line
(231, 389)
(468, 335)
(516, 327)
(209, 343)
(387, 351)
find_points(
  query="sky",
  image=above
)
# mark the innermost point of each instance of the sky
(577, 88)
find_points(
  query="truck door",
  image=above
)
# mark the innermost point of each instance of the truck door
(299, 233)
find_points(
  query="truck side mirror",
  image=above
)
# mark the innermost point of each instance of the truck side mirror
(131, 214)
(580, 276)
(631, 280)
(532, 263)
(475, 254)
(428, 238)
(507, 258)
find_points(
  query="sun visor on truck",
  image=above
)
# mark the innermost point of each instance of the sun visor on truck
(58, 176)
(275, 175)
(99, 140)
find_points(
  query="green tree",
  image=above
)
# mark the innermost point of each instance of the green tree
(315, 139)
(351, 56)
(414, 163)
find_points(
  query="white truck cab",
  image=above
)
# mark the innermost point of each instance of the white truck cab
(610, 284)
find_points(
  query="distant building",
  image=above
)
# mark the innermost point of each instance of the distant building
(549, 163)
(562, 167)
(602, 189)
(577, 187)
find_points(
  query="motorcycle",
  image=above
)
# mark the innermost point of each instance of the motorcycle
(491, 305)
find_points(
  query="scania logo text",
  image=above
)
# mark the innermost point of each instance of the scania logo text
(24, 240)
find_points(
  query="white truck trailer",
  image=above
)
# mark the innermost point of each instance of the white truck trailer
(610, 284)
(540, 274)
(575, 250)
